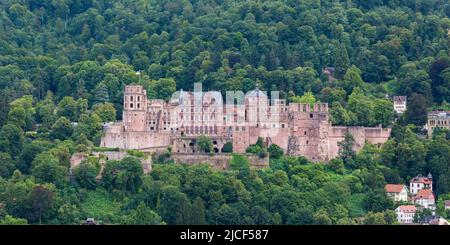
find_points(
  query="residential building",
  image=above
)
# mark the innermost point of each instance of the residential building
(405, 214)
(397, 192)
(447, 204)
(437, 119)
(424, 198)
(419, 182)
(400, 104)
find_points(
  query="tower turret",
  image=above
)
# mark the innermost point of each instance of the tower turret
(134, 108)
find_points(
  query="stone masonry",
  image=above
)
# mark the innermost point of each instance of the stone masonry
(300, 129)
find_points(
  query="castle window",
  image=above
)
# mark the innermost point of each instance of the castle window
(282, 125)
(138, 105)
(139, 98)
(305, 132)
(310, 115)
(131, 105)
(131, 98)
(307, 142)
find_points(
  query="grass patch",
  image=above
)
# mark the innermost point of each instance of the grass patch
(356, 205)
(100, 205)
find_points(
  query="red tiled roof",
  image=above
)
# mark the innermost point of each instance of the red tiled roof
(407, 208)
(424, 194)
(391, 188)
(423, 180)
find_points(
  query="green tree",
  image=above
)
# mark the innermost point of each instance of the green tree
(342, 62)
(416, 112)
(204, 144)
(41, 202)
(6, 165)
(124, 175)
(11, 140)
(227, 147)
(346, 152)
(85, 175)
(275, 151)
(46, 169)
(105, 111)
(383, 112)
(239, 162)
(142, 215)
(61, 129)
(10, 220)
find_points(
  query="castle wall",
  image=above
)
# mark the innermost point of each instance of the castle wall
(221, 161)
(135, 140)
(300, 129)
(360, 134)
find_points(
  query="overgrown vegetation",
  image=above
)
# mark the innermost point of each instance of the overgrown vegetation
(64, 64)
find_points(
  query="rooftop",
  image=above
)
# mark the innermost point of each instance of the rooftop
(439, 114)
(407, 208)
(421, 179)
(424, 194)
(399, 99)
(392, 188)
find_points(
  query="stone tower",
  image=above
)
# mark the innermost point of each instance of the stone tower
(134, 108)
(308, 131)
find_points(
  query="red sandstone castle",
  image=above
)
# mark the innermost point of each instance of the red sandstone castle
(300, 129)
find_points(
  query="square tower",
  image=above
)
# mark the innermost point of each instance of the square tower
(135, 108)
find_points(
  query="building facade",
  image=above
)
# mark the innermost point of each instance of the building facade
(420, 182)
(300, 129)
(425, 198)
(405, 214)
(397, 192)
(437, 119)
(400, 104)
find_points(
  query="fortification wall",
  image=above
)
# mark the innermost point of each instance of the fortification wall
(135, 140)
(79, 157)
(218, 161)
(360, 134)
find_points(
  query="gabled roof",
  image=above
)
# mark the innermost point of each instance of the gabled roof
(399, 99)
(407, 208)
(392, 188)
(421, 179)
(424, 194)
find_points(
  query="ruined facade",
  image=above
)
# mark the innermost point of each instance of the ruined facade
(300, 129)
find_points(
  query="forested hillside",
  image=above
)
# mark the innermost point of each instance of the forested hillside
(64, 64)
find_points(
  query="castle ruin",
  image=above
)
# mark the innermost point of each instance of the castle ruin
(300, 129)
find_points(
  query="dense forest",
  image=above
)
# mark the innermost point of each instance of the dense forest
(64, 64)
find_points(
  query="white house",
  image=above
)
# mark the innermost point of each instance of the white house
(447, 204)
(397, 192)
(424, 198)
(400, 104)
(419, 182)
(405, 213)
